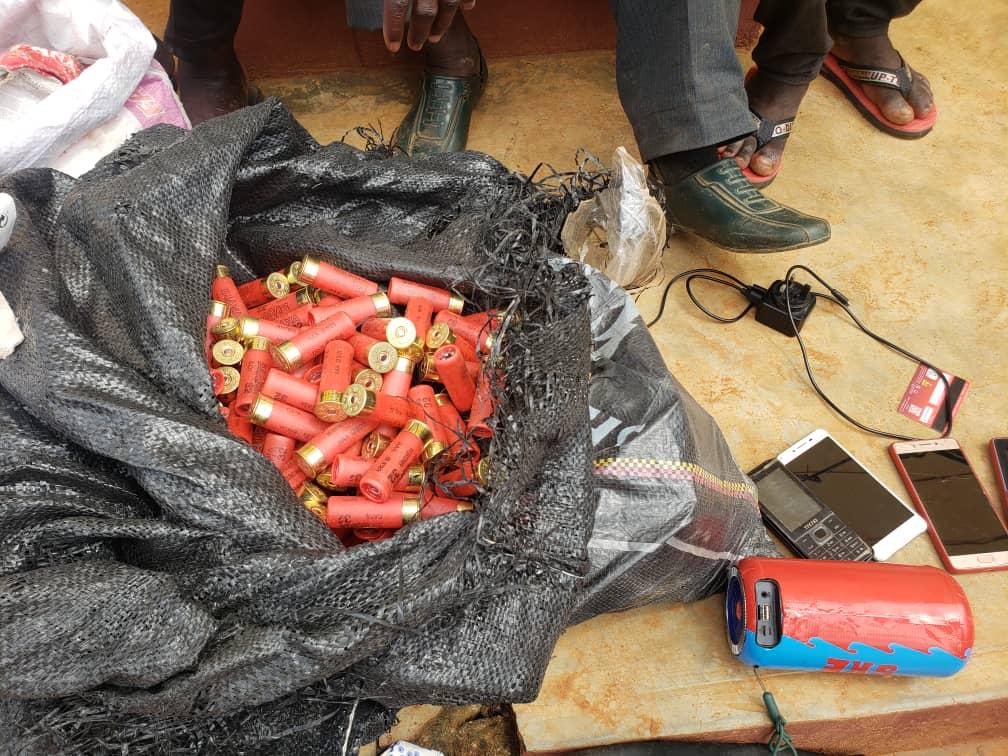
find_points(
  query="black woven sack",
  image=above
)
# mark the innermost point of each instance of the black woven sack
(162, 589)
(160, 585)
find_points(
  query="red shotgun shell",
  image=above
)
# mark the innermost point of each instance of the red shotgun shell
(314, 372)
(378, 441)
(401, 508)
(249, 328)
(427, 410)
(334, 280)
(286, 388)
(478, 336)
(440, 334)
(383, 477)
(227, 352)
(293, 475)
(451, 368)
(419, 312)
(461, 482)
(347, 470)
(311, 342)
(369, 379)
(362, 344)
(382, 357)
(278, 449)
(314, 500)
(370, 534)
(284, 419)
(432, 506)
(320, 451)
(375, 328)
(263, 290)
(402, 334)
(223, 289)
(240, 427)
(398, 381)
(359, 512)
(401, 291)
(381, 408)
(217, 312)
(278, 308)
(454, 426)
(256, 365)
(297, 318)
(225, 382)
(482, 409)
(357, 309)
(336, 376)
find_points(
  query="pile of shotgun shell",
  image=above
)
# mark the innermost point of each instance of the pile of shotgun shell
(315, 368)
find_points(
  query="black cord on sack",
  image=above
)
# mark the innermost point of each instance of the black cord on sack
(834, 296)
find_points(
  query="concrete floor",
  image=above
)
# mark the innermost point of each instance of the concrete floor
(918, 245)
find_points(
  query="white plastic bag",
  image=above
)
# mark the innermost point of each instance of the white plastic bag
(402, 748)
(153, 101)
(633, 223)
(102, 33)
(10, 334)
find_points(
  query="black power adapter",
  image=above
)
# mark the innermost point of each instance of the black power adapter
(772, 305)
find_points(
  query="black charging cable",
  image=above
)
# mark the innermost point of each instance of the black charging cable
(707, 274)
(757, 295)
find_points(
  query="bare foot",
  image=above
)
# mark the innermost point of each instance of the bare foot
(878, 51)
(775, 101)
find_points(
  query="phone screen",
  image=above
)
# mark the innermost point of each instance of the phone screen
(839, 482)
(959, 511)
(1001, 452)
(783, 497)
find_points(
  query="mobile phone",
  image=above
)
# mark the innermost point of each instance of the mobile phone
(999, 454)
(806, 526)
(839, 481)
(961, 519)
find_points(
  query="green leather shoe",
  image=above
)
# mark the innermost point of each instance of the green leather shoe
(439, 119)
(720, 205)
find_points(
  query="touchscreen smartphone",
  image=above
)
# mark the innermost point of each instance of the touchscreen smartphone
(999, 455)
(860, 499)
(961, 519)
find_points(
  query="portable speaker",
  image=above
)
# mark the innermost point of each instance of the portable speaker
(867, 617)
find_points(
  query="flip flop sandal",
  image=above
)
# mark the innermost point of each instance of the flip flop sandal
(850, 78)
(766, 131)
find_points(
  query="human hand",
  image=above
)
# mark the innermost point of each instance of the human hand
(428, 21)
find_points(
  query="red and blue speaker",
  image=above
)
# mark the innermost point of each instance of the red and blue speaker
(864, 617)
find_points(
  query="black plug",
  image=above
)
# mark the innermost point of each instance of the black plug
(772, 305)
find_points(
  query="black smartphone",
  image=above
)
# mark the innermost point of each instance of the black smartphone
(964, 527)
(808, 527)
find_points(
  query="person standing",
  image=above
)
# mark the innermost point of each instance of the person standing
(847, 41)
(682, 89)
(212, 82)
